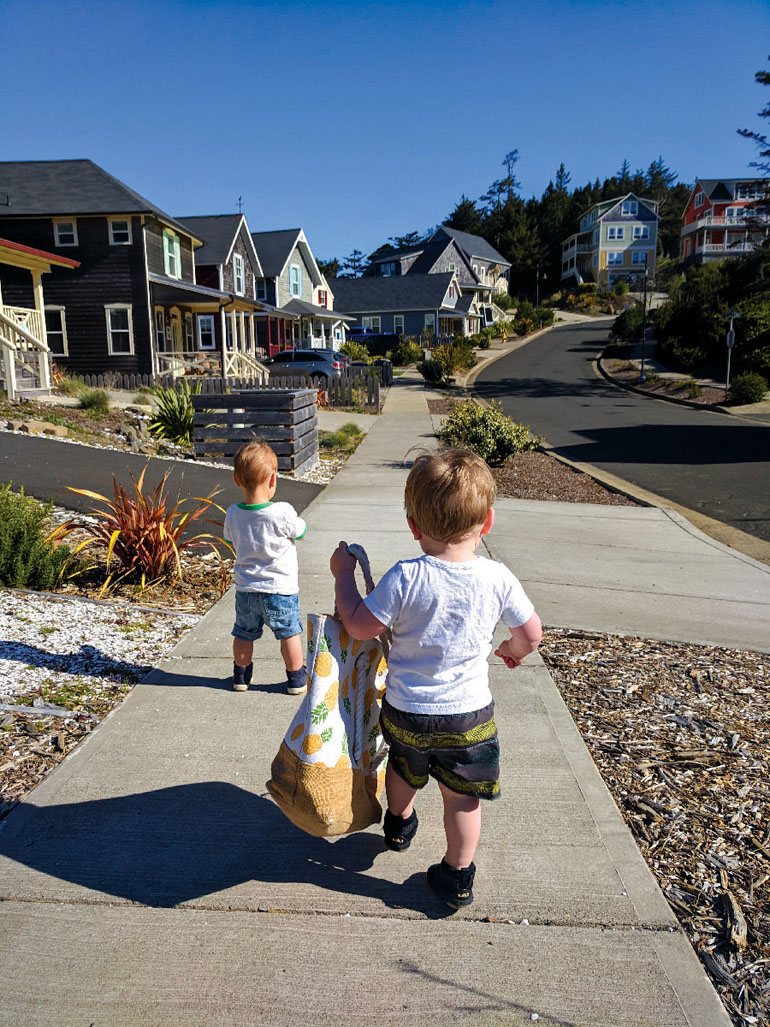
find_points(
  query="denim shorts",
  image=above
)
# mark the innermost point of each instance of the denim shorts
(255, 609)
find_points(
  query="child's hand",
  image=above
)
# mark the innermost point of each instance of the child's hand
(342, 560)
(507, 656)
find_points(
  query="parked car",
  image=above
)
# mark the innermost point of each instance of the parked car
(319, 364)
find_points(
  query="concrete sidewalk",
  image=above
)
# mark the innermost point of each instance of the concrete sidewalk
(149, 879)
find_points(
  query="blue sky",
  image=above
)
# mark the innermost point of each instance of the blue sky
(357, 121)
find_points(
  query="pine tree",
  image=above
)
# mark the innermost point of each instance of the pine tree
(353, 265)
(465, 217)
(760, 215)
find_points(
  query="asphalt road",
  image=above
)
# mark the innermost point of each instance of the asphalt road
(45, 468)
(716, 464)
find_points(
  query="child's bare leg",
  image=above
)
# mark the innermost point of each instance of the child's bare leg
(400, 795)
(462, 824)
(242, 651)
(292, 652)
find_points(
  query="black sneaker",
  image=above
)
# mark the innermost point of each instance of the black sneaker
(242, 677)
(399, 831)
(455, 887)
(296, 681)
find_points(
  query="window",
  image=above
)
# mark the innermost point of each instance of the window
(748, 191)
(451, 266)
(371, 322)
(56, 330)
(482, 272)
(629, 207)
(120, 333)
(700, 199)
(614, 257)
(120, 232)
(641, 231)
(323, 299)
(295, 280)
(188, 332)
(452, 292)
(260, 285)
(66, 233)
(639, 257)
(172, 255)
(238, 274)
(398, 324)
(160, 329)
(596, 236)
(596, 260)
(735, 212)
(430, 324)
(387, 270)
(615, 232)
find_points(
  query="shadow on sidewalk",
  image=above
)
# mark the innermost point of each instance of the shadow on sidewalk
(171, 679)
(175, 845)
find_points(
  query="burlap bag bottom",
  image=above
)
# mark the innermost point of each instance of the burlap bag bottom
(325, 801)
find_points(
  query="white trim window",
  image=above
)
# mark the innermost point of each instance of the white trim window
(630, 207)
(371, 322)
(120, 328)
(206, 336)
(749, 191)
(172, 254)
(120, 232)
(735, 212)
(323, 298)
(430, 324)
(615, 232)
(388, 270)
(238, 275)
(188, 332)
(398, 324)
(65, 233)
(614, 257)
(451, 266)
(260, 289)
(699, 200)
(160, 329)
(641, 231)
(56, 331)
(596, 236)
(451, 292)
(639, 257)
(295, 279)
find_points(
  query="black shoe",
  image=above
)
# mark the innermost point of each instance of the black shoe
(455, 887)
(296, 681)
(399, 831)
(242, 677)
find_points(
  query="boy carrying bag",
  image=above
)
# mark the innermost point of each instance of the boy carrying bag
(330, 769)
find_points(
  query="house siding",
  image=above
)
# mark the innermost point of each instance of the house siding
(154, 237)
(282, 284)
(228, 278)
(108, 274)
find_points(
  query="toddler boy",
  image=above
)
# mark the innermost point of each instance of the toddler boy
(443, 608)
(263, 535)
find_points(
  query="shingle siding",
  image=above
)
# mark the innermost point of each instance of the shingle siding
(283, 288)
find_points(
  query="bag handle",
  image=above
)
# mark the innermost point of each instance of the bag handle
(363, 562)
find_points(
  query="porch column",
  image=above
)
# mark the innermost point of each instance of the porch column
(284, 332)
(293, 334)
(269, 337)
(223, 327)
(43, 357)
(252, 337)
(243, 331)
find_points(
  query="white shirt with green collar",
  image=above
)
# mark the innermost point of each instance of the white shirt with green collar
(263, 537)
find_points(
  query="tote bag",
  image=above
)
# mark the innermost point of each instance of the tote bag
(329, 771)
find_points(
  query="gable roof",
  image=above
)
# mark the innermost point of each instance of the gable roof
(399, 292)
(720, 188)
(58, 188)
(603, 207)
(471, 245)
(275, 248)
(219, 233)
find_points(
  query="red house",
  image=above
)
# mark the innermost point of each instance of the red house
(719, 221)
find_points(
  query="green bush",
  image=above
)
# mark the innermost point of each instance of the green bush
(407, 352)
(748, 388)
(621, 288)
(69, 386)
(355, 350)
(503, 300)
(629, 325)
(455, 356)
(350, 428)
(27, 558)
(95, 400)
(485, 430)
(432, 371)
(618, 350)
(174, 419)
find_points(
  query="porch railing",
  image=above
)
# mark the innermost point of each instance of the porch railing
(25, 354)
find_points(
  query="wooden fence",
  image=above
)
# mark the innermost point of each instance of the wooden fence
(284, 418)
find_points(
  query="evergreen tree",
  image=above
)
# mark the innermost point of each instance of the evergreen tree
(329, 268)
(761, 208)
(465, 217)
(354, 265)
(623, 177)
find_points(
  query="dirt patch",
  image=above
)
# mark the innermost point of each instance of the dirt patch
(541, 476)
(688, 389)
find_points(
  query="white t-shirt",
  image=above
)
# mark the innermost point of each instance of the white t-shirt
(263, 537)
(443, 616)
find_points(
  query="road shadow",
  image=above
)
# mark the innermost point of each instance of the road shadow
(180, 844)
(539, 388)
(86, 661)
(729, 442)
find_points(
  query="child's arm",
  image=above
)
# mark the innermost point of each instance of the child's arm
(356, 618)
(523, 641)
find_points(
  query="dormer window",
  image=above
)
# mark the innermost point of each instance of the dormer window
(66, 233)
(238, 279)
(388, 270)
(295, 280)
(172, 255)
(630, 207)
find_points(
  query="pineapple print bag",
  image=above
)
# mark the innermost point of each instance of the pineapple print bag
(330, 769)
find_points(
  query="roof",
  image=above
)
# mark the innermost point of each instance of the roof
(400, 292)
(219, 233)
(42, 255)
(604, 206)
(175, 290)
(721, 188)
(304, 309)
(274, 249)
(60, 188)
(472, 245)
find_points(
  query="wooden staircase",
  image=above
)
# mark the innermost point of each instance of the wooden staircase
(26, 358)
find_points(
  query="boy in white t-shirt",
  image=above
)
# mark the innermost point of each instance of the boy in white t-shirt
(263, 535)
(443, 608)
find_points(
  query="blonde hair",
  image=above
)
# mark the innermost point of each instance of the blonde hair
(254, 463)
(449, 494)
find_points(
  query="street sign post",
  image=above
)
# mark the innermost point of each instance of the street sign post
(731, 314)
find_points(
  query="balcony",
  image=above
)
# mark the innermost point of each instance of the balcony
(728, 248)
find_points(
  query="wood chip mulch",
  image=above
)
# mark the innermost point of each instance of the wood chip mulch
(681, 735)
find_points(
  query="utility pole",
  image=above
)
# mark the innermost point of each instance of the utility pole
(642, 377)
(731, 315)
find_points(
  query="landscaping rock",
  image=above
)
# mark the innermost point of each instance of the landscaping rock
(32, 427)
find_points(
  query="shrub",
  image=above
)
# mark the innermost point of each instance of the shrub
(432, 371)
(95, 400)
(28, 556)
(407, 352)
(485, 430)
(618, 350)
(143, 532)
(355, 350)
(629, 325)
(749, 387)
(455, 356)
(621, 288)
(350, 428)
(175, 415)
(502, 300)
(66, 385)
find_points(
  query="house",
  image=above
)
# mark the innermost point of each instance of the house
(28, 335)
(133, 304)
(718, 220)
(617, 240)
(293, 285)
(409, 304)
(481, 271)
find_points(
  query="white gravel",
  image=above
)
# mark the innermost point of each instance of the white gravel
(53, 640)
